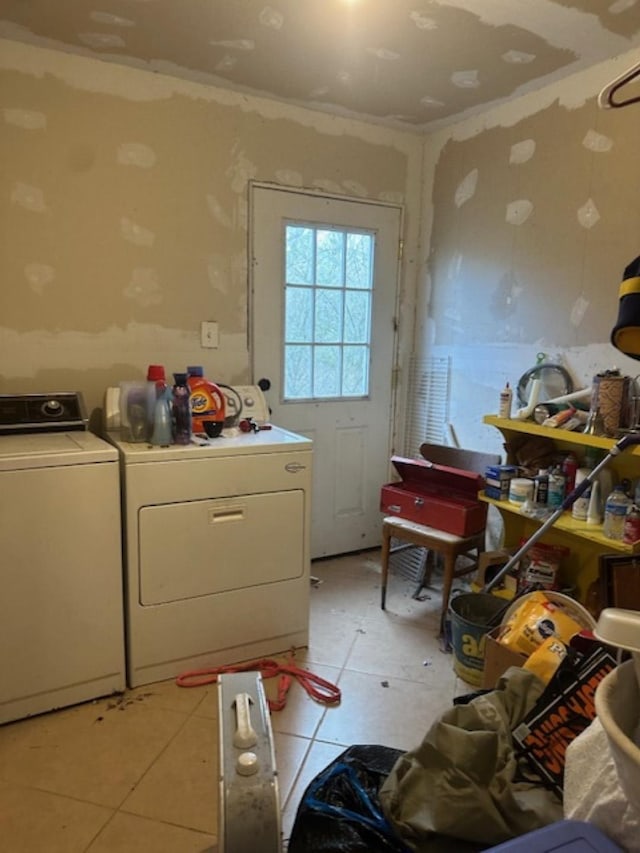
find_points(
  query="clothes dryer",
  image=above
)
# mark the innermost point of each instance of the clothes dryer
(216, 550)
(61, 611)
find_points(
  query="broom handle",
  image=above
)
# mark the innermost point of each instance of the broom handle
(616, 450)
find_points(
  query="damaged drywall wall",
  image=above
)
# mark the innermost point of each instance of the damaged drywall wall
(534, 211)
(124, 214)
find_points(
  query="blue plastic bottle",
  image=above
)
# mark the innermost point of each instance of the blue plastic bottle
(162, 435)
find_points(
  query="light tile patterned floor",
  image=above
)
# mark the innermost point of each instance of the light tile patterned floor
(139, 772)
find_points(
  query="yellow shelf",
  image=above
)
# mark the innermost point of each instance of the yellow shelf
(568, 524)
(555, 433)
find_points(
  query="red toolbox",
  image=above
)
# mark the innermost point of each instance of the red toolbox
(436, 495)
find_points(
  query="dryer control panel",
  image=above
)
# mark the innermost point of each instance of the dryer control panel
(254, 403)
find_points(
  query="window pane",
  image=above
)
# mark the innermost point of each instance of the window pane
(297, 372)
(330, 258)
(357, 316)
(355, 371)
(299, 255)
(328, 324)
(328, 310)
(298, 315)
(326, 373)
(359, 260)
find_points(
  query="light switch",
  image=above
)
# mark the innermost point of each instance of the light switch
(209, 335)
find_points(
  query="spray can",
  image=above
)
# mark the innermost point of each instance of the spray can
(569, 469)
(506, 397)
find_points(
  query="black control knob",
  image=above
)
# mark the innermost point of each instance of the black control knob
(52, 409)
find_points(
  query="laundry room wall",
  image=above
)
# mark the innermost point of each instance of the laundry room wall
(531, 213)
(123, 214)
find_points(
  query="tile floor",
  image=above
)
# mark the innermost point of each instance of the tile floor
(138, 772)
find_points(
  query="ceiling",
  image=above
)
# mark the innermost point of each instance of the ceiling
(414, 64)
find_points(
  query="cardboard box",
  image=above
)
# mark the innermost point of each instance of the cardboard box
(493, 560)
(498, 480)
(436, 495)
(497, 659)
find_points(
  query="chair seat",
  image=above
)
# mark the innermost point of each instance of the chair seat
(448, 545)
(404, 528)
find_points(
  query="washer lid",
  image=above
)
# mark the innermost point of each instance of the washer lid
(45, 450)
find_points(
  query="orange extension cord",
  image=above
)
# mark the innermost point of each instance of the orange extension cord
(318, 688)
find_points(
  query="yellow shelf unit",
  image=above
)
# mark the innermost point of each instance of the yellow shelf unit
(556, 434)
(571, 526)
(586, 542)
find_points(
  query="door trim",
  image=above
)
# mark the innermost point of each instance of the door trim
(316, 193)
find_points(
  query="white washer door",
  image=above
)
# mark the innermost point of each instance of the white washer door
(204, 547)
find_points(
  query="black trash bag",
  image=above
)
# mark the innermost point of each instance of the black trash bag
(340, 809)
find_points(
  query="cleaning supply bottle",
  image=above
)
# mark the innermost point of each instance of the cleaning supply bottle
(569, 469)
(157, 383)
(506, 397)
(541, 487)
(162, 435)
(181, 402)
(615, 511)
(580, 507)
(556, 492)
(207, 403)
(594, 513)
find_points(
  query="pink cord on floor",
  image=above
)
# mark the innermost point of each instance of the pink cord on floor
(318, 688)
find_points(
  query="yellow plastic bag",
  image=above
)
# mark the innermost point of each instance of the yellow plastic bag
(546, 659)
(534, 621)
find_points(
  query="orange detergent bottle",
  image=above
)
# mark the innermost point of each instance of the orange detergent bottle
(207, 403)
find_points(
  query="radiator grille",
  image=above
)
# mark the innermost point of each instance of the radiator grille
(428, 408)
(427, 419)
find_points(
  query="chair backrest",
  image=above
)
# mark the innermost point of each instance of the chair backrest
(455, 457)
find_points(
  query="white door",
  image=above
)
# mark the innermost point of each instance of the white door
(324, 275)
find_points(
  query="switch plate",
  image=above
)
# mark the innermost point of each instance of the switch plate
(209, 335)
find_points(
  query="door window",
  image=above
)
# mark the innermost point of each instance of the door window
(328, 307)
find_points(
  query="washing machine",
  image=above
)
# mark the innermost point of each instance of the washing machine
(61, 599)
(217, 561)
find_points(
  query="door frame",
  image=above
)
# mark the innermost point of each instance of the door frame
(314, 192)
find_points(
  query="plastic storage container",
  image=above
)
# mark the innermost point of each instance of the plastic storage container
(572, 836)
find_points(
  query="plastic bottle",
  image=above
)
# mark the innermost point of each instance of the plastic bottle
(555, 495)
(615, 512)
(162, 434)
(207, 403)
(594, 513)
(181, 401)
(541, 487)
(157, 382)
(506, 397)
